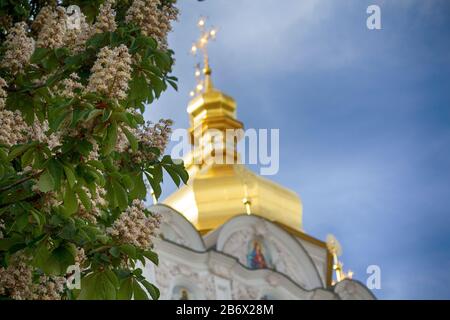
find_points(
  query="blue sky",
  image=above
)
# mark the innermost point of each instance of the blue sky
(364, 120)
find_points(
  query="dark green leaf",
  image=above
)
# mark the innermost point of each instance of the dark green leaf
(82, 195)
(151, 289)
(129, 250)
(126, 289)
(131, 138)
(138, 292)
(18, 150)
(27, 157)
(111, 139)
(120, 194)
(70, 175)
(46, 183)
(173, 174)
(152, 256)
(58, 262)
(70, 201)
(39, 54)
(89, 289)
(115, 252)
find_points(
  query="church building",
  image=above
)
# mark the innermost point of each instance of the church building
(232, 234)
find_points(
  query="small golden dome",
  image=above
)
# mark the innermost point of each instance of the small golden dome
(217, 192)
(219, 187)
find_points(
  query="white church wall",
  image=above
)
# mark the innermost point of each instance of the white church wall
(189, 269)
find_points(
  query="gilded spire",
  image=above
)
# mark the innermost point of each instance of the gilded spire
(206, 35)
(220, 186)
(210, 110)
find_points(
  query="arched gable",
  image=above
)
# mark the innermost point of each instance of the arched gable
(177, 229)
(256, 242)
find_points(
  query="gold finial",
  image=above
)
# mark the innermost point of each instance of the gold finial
(206, 35)
(244, 177)
(246, 201)
(335, 249)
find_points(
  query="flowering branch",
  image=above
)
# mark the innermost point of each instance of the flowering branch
(71, 119)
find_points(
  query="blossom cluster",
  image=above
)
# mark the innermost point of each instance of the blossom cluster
(68, 86)
(111, 73)
(39, 132)
(19, 48)
(13, 128)
(97, 201)
(77, 36)
(135, 227)
(106, 18)
(156, 135)
(153, 18)
(16, 280)
(149, 136)
(52, 33)
(48, 288)
(3, 93)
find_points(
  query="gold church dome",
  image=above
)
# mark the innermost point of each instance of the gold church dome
(218, 193)
(219, 190)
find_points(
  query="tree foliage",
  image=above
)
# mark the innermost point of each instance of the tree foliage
(81, 169)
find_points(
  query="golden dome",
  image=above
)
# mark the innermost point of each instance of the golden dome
(216, 192)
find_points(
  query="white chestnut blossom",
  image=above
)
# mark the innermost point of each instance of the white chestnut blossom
(76, 38)
(41, 19)
(3, 93)
(156, 135)
(16, 281)
(152, 136)
(97, 202)
(153, 18)
(106, 18)
(109, 77)
(134, 227)
(48, 288)
(94, 153)
(19, 48)
(148, 135)
(39, 132)
(13, 129)
(111, 72)
(122, 143)
(67, 87)
(52, 34)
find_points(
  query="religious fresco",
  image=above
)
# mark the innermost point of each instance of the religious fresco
(258, 255)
